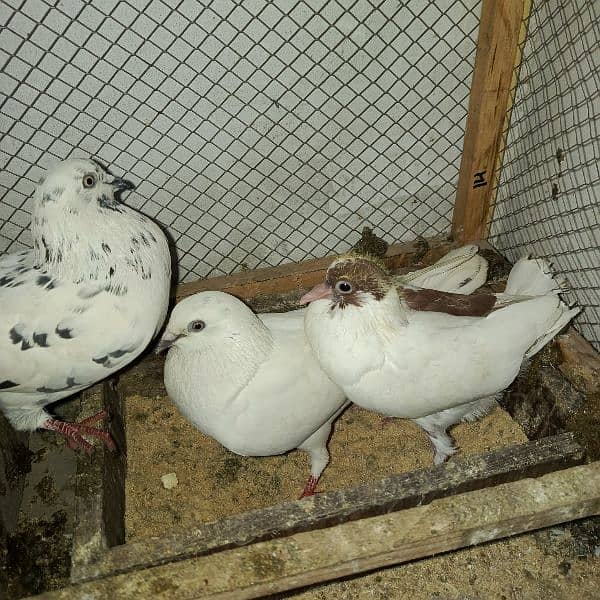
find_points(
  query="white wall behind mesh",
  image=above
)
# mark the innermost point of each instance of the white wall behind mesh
(547, 199)
(258, 132)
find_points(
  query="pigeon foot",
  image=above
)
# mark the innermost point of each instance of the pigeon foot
(309, 488)
(74, 432)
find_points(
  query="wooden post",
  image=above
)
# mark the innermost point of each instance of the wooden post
(501, 31)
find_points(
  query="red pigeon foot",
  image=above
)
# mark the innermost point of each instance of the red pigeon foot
(309, 488)
(74, 432)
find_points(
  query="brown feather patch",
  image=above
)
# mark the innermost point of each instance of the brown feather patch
(460, 305)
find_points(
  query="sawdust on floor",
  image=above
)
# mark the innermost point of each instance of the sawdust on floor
(519, 568)
(214, 483)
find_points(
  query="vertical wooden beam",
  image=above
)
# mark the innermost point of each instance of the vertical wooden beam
(501, 30)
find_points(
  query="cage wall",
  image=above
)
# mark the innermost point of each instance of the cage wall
(547, 200)
(258, 131)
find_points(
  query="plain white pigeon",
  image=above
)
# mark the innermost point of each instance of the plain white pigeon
(427, 355)
(83, 303)
(249, 381)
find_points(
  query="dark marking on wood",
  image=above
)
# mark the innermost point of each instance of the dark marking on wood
(479, 179)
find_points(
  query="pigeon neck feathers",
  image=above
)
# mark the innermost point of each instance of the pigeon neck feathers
(227, 353)
(95, 239)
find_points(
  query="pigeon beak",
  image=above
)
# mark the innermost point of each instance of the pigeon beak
(319, 292)
(166, 342)
(121, 184)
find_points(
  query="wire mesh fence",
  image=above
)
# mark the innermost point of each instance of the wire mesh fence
(258, 131)
(547, 200)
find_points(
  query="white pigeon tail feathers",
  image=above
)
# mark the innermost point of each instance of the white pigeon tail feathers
(562, 316)
(533, 277)
(461, 271)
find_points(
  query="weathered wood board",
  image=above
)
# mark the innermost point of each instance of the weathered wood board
(304, 558)
(393, 493)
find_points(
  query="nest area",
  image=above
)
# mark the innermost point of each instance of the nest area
(212, 483)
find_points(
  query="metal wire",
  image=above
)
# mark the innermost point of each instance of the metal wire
(259, 131)
(547, 200)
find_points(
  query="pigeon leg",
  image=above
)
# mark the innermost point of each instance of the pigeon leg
(309, 488)
(74, 432)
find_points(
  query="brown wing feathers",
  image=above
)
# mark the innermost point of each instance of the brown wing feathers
(461, 305)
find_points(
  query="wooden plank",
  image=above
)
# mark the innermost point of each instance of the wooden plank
(579, 361)
(502, 27)
(299, 277)
(560, 391)
(330, 508)
(316, 556)
(100, 486)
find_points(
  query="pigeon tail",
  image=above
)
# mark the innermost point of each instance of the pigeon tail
(533, 277)
(461, 271)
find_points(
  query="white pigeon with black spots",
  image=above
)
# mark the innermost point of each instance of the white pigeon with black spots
(84, 302)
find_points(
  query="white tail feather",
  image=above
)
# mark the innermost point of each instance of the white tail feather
(461, 271)
(533, 277)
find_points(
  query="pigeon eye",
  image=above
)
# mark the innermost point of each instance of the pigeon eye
(89, 180)
(196, 326)
(344, 287)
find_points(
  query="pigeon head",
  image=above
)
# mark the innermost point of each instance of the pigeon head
(73, 185)
(351, 280)
(206, 320)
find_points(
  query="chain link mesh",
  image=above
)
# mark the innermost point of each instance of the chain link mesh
(547, 199)
(258, 131)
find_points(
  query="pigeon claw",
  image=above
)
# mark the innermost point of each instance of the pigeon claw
(309, 488)
(75, 432)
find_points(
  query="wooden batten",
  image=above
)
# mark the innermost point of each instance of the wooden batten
(502, 32)
(397, 492)
(306, 558)
(303, 275)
